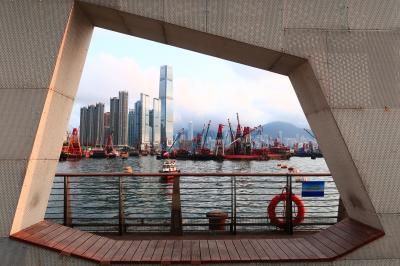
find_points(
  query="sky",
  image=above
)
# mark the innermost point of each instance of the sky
(205, 87)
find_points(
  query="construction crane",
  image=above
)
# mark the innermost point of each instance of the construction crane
(180, 132)
(219, 141)
(230, 130)
(309, 133)
(238, 136)
(205, 137)
(199, 139)
(244, 135)
(74, 146)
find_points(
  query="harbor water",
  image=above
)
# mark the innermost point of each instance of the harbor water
(147, 200)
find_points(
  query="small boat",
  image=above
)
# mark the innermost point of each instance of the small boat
(98, 153)
(169, 166)
(109, 148)
(133, 153)
(124, 155)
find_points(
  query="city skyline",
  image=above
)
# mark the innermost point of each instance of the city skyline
(119, 62)
(142, 127)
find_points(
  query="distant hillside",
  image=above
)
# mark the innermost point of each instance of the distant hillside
(288, 130)
(271, 129)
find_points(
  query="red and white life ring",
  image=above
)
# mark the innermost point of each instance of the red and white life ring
(281, 222)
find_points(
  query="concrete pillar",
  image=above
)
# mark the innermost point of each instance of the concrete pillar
(43, 49)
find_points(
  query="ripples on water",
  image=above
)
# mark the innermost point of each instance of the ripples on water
(150, 164)
(149, 200)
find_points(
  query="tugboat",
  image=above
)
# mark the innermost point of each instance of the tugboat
(169, 166)
(74, 152)
(124, 152)
(109, 149)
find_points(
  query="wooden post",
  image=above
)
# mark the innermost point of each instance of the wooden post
(121, 215)
(67, 203)
(176, 211)
(341, 211)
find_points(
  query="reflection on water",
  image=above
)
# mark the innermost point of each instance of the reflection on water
(150, 164)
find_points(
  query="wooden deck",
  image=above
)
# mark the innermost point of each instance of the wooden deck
(328, 244)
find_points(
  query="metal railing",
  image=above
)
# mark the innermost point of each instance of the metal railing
(152, 202)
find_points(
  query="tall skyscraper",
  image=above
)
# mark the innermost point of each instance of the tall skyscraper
(155, 124)
(114, 115)
(167, 110)
(123, 118)
(137, 121)
(131, 127)
(190, 131)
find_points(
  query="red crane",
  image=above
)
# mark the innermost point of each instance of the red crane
(219, 141)
(109, 148)
(237, 145)
(74, 146)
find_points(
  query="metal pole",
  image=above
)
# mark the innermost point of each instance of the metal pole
(121, 216)
(231, 226)
(289, 209)
(67, 203)
(234, 204)
(176, 211)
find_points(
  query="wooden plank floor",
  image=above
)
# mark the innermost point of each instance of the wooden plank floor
(328, 244)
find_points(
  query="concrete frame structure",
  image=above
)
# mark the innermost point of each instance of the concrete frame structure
(342, 57)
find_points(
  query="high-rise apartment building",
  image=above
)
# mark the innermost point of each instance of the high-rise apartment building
(107, 122)
(144, 138)
(136, 127)
(142, 123)
(131, 127)
(83, 126)
(98, 138)
(151, 123)
(92, 125)
(114, 118)
(155, 124)
(123, 118)
(107, 119)
(167, 110)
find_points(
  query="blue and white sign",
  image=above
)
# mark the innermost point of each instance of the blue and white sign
(313, 189)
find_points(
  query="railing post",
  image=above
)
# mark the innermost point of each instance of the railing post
(289, 209)
(67, 203)
(234, 204)
(176, 211)
(121, 216)
(341, 211)
(231, 228)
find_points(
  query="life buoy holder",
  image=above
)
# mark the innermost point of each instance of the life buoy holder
(281, 222)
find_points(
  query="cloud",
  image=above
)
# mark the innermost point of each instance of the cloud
(221, 90)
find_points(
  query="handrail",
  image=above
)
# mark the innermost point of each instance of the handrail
(191, 174)
(234, 190)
